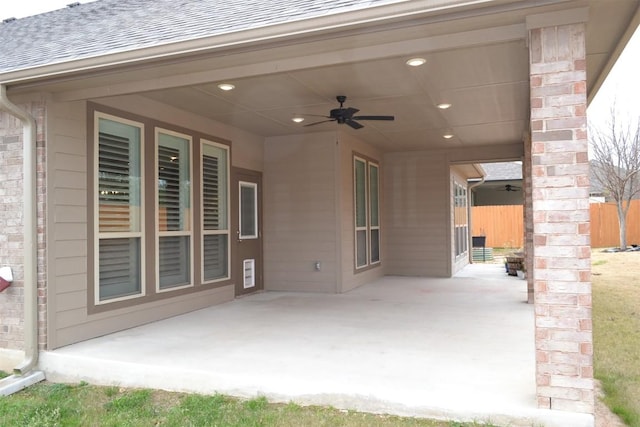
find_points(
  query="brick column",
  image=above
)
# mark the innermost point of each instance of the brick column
(560, 203)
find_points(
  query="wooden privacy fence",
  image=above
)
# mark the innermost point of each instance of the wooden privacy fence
(503, 225)
(604, 224)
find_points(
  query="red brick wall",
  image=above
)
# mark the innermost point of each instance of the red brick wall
(11, 227)
(560, 212)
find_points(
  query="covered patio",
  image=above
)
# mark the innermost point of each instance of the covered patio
(456, 348)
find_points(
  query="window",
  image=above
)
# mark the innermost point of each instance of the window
(118, 202)
(460, 221)
(248, 210)
(215, 211)
(157, 232)
(367, 212)
(173, 209)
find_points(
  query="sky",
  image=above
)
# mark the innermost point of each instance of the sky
(622, 84)
(22, 8)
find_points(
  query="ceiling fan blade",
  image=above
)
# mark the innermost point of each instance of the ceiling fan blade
(374, 118)
(353, 124)
(348, 112)
(315, 115)
(317, 123)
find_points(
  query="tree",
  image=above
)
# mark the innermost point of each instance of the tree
(616, 164)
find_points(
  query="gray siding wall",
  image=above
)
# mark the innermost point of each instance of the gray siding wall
(68, 321)
(308, 185)
(300, 213)
(417, 208)
(417, 214)
(67, 216)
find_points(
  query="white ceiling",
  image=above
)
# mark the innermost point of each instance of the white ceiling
(487, 86)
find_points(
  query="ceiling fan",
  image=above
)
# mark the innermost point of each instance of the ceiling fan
(509, 187)
(346, 116)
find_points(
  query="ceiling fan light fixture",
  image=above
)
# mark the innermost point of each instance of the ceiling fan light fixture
(297, 119)
(415, 62)
(444, 105)
(226, 86)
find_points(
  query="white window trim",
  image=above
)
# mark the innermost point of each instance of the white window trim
(367, 228)
(158, 233)
(96, 211)
(373, 227)
(463, 197)
(226, 232)
(255, 210)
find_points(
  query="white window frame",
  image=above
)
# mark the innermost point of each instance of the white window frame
(255, 210)
(460, 238)
(158, 233)
(96, 211)
(205, 232)
(367, 228)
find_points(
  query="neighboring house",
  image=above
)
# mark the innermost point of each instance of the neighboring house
(150, 191)
(502, 185)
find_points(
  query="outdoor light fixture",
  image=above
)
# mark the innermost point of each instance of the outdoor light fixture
(298, 119)
(226, 86)
(416, 62)
(443, 105)
(448, 135)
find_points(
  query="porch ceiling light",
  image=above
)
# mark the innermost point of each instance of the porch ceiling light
(447, 135)
(297, 119)
(415, 62)
(226, 86)
(444, 105)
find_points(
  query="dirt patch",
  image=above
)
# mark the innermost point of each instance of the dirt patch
(604, 416)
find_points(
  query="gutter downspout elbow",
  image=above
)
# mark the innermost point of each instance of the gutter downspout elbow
(30, 275)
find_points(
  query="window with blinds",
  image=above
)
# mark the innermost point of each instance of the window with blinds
(215, 216)
(460, 220)
(173, 209)
(366, 212)
(119, 254)
(141, 259)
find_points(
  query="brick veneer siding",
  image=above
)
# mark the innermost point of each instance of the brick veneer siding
(528, 218)
(560, 202)
(11, 227)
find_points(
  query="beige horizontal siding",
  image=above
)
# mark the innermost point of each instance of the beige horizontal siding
(69, 330)
(67, 232)
(418, 230)
(300, 222)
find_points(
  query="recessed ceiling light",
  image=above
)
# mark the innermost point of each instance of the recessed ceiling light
(226, 86)
(416, 62)
(444, 105)
(298, 119)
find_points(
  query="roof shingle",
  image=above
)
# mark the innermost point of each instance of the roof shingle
(110, 26)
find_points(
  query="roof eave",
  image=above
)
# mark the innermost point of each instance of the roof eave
(387, 14)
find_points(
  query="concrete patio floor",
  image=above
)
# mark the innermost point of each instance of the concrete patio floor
(459, 348)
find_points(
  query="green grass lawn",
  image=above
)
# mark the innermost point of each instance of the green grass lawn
(48, 404)
(616, 331)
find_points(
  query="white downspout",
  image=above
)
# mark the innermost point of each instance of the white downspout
(30, 274)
